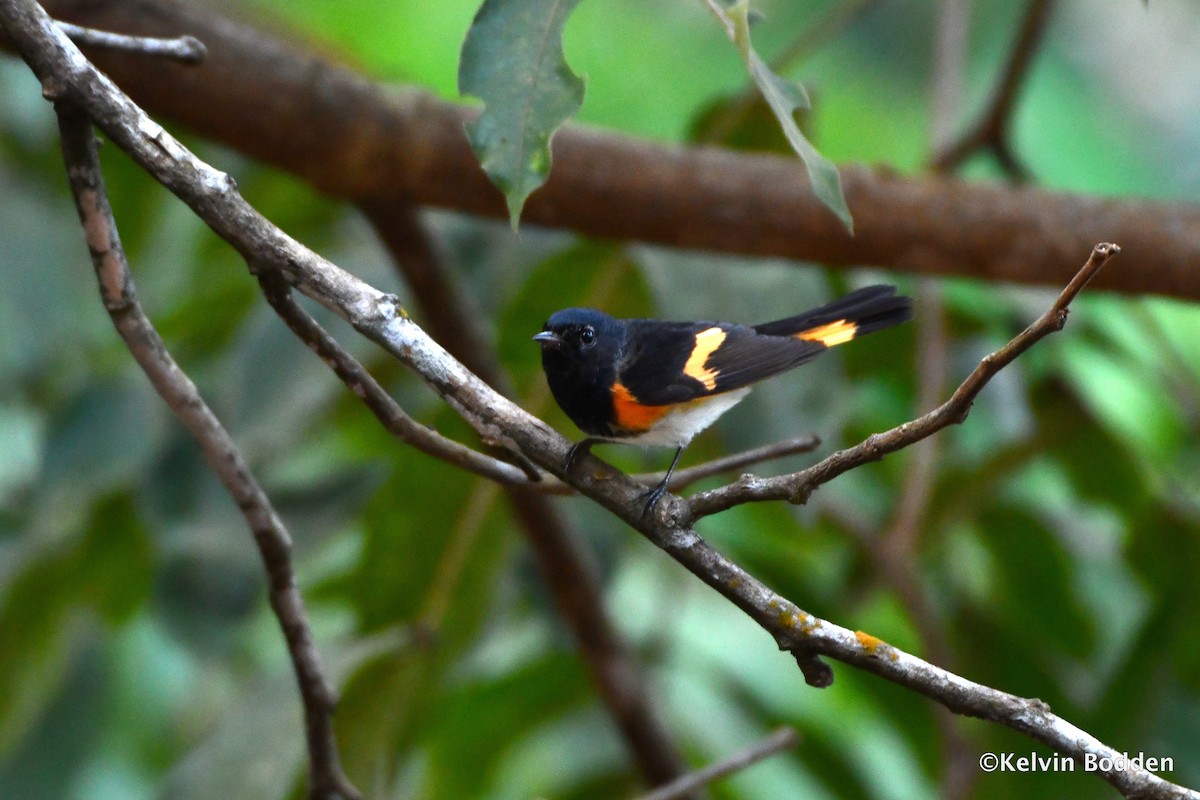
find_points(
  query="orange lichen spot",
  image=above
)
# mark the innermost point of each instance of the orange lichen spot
(870, 644)
(793, 618)
(632, 415)
(831, 334)
(707, 342)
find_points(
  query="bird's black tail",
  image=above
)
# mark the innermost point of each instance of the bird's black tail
(864, 311)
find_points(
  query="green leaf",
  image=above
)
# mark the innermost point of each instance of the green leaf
(513, 61)
(785, 97)
(481, 721)
(37, 630)
(1035, 574)
(115, 560)
(46, 608)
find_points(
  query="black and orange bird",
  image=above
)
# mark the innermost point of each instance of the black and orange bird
(653, 382)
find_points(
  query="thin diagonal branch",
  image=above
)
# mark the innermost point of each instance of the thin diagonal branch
(782, 739)
(366, 388)
(991, 131)
(734, 461)
(326, 779)
(683, 478)
(377, 315)
(797, 487)
(184, 49)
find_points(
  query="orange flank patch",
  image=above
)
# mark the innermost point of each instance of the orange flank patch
(632, 415)
(831, 334)
(707, 342)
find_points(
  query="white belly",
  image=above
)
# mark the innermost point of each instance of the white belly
(679, 425)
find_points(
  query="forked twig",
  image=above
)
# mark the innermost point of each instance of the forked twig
(684, 478)
(991, 130)
(279, 294)
(327, 781)
(184, 49)
(797, 486)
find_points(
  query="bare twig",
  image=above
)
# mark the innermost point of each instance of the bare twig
(684, 478)
(386, 409)
(797, 487)
(827, 27)
(375, 314)
(991, 131)
(184, 49)
(326, 779)
(377, 142)
(782, 739)
(735, 461)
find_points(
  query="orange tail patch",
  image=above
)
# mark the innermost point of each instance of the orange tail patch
(830, 334)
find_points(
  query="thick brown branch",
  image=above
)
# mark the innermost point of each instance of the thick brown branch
(797, 487)
(367, 142)
(326, 780)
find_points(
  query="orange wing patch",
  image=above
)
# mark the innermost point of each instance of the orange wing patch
(632, 415)
(707, 342)
(831, 334)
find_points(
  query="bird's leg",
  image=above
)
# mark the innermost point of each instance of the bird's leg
(657, 492)
(582, 447)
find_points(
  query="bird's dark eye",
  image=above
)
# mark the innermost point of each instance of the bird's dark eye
(587, 336)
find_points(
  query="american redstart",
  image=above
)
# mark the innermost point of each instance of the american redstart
(648, 381)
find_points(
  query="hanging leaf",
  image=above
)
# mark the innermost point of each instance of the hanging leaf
(785, 97)
(513, 61)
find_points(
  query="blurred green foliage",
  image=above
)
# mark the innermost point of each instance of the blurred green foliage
(1058, 551)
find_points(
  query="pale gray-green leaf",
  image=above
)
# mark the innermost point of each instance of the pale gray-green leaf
(513, 60)
(785, 97)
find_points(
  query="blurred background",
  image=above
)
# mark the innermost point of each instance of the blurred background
(1055, 554)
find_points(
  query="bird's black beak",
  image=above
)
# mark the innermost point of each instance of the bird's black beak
(547, 339)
